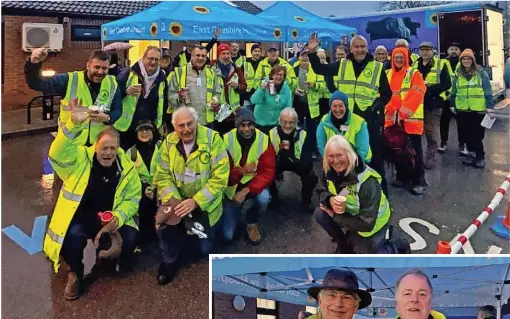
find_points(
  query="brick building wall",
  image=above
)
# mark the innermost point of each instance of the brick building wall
(223, 308)
(74, 55)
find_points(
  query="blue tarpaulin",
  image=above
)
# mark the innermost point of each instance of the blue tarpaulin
(461, 285)
(191, 20)
(298, 24)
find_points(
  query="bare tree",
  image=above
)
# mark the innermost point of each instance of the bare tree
(397, 5)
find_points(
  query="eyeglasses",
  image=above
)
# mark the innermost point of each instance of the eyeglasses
(331, 295)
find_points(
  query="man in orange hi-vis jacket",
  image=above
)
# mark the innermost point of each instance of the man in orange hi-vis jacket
(406, 106)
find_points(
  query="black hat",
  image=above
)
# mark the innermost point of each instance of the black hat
(144, 124)
(254, 46)
(243, 115)
(342, 280)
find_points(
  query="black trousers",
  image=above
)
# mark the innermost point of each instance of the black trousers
(76, 241)
(416, 175)
(377, 147)
(305, 120)
(146, 213)
(470, 128)
(306, 174)
(444, 126)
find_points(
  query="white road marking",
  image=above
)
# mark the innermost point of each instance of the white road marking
(419, 243)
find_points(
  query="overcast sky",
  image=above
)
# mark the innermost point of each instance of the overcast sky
(326, 8)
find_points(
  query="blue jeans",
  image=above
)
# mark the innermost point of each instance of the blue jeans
(76, 241)
(174, 239)
(255, 207)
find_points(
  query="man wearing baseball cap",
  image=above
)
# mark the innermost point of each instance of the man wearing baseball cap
(436, 73)
(268, 63)
(339, 295)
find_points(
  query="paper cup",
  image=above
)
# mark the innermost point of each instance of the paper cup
(341, 199)
(106, 217)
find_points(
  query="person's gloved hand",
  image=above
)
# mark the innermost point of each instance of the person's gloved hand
(116, 240)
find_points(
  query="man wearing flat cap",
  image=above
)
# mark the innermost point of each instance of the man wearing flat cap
(339, 296)
(268, 63)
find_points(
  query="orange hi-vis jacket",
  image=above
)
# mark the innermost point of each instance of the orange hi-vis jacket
(408, 89)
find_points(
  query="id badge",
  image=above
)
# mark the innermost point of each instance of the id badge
(277, 98)
(344, 128)
(199, 82)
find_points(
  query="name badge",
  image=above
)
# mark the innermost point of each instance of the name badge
(199, 82)
(344, 128)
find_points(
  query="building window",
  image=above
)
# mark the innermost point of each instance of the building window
(212, 54)
(266, 309)
(312, 310)
(85, 33)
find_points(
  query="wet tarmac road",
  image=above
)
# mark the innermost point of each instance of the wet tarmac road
(456, 195)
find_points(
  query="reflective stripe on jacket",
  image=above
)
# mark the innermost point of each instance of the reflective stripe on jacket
(258, 147)
(299, 141)
(146, 174)
(400, 103)
(470, 94)
(77, 88)
(362, 91)
(203, 175)
(434, 76)
(72, 163)
(129, 105)
(353, 204)
(264, 69)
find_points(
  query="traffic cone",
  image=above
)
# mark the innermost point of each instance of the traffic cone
(502, 225)
(443, 247)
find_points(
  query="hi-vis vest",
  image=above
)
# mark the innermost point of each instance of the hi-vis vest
(182, 59)
(470, 95)
(299, 141)
(314, 94)
(73, 164)
(234, 98)
(264, 69)
(248, 72)
(77, 88)
(353, 204)
(177, 81)
(434, 76)
(258, 148)
(363, 90)
(129, 105)
(413, 124)
(146, 174)
(349, 131)
(182, 178)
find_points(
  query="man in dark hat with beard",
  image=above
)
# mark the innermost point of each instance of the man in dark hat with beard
(339, 295)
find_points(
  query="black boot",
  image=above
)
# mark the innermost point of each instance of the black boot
(166, 273)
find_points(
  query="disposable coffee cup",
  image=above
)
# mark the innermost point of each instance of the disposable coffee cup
(340, 199)
(272, 88)
(106, 217)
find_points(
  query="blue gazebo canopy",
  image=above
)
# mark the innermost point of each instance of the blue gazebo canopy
(191, 20)
(300, 23)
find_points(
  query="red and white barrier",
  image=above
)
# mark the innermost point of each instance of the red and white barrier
(482, 217)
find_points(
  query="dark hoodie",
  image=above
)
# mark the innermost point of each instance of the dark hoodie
(369, 198)
(146, 108)
(374, 115)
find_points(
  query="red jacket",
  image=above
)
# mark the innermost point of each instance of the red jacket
(266, 170)
(233, 70)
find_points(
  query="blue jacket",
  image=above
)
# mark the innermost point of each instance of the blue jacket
(267, 110)
(57, 85)
(507, 74)
(146, 109)
(487, 89)
(362, 139)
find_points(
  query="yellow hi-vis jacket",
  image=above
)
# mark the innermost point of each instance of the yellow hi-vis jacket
(364, 89)
(470, 94)
(77, 88)
(146, 174)
(203, 175)
(248, 72)
(129, 105)
(264, 69)
(434, 76)
(72, 163)
(176, 81)
(314, 94)
(353, 204)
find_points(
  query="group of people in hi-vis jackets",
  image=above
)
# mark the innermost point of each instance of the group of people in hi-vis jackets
(191, 155)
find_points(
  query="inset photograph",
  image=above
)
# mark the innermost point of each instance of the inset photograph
(353, 287)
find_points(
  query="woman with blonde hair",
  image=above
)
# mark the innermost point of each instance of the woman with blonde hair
(471, 98)
(353, 209)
